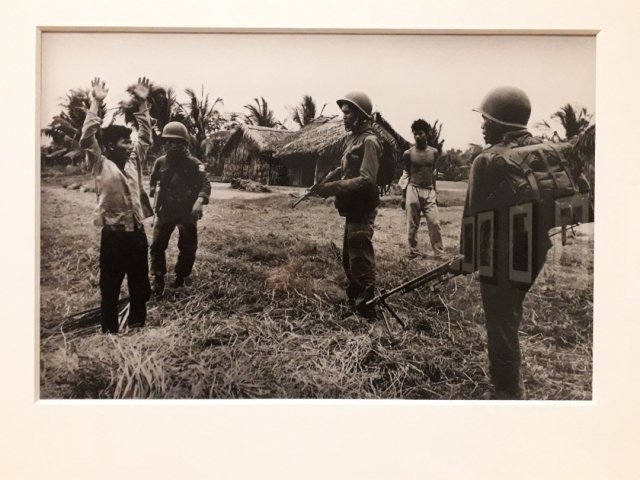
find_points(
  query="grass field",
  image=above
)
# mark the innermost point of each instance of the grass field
(262, 317)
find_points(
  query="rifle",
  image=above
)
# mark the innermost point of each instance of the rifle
(443, 272)
(88, 320)
(325, 178)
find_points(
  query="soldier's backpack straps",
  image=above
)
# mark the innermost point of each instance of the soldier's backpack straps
(564, 164)
(519, 159)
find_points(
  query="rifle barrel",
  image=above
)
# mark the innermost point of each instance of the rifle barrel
(426, 277)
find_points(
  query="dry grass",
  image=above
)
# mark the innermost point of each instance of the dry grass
(263, 317)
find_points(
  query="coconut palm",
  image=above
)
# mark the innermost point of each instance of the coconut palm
(201, 117)
(163, 108)
(574, 120)
(65, 128)
(305, 112)
(433, 136)
(261, 115)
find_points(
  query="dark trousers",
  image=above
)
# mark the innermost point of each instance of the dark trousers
(503, 311)
(123, 253)
(358, 260)
(502, 302)
(187, 246)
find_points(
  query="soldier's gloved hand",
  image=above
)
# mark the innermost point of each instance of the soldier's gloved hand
(152, 192)
(196, 211)
(403, 202)
(326, 189)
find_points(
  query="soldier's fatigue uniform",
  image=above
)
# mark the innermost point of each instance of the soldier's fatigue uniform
(181, 182)
(122, 205)
(357, 200)
(502, 299)
(419, 166)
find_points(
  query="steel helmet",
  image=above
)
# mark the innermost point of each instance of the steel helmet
(507, 106)
(359, 100)
(176, 130)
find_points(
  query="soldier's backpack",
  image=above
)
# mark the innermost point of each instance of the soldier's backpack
(387, 166)
(388, 160)
(542, 174)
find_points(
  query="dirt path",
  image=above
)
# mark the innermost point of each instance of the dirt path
(223, 191)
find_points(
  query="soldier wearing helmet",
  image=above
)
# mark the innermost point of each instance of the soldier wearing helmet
(505, 112)
(356, 199)
(180, 182)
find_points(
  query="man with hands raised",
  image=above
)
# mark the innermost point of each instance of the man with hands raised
(122, 205)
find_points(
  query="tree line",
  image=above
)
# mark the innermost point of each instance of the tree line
(202, 117)
(200, 114)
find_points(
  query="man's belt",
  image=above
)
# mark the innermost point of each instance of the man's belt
(122, 228)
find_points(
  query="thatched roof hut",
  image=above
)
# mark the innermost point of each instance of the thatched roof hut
(312, 149)
(248, 153)
(211, 148)
(317, 147)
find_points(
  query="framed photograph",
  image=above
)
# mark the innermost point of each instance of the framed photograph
(92, 367)
(486, 232)
(521, 243)
(469, 244)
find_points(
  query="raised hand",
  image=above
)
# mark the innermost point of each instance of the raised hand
(141, 89)
(98, 89)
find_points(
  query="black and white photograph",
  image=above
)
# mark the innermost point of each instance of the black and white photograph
(236, 232)
(229, 231)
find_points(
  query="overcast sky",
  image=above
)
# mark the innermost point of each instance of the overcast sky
(435, 77)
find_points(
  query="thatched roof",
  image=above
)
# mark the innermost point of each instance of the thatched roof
(259, 139)
(325, 136)
(220, 135)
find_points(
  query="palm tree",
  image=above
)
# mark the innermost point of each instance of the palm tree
(200, 117)
(305, 112)
(163, 108)
(261, 115)
(433, 136)
(574, 120)
(65, 128)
